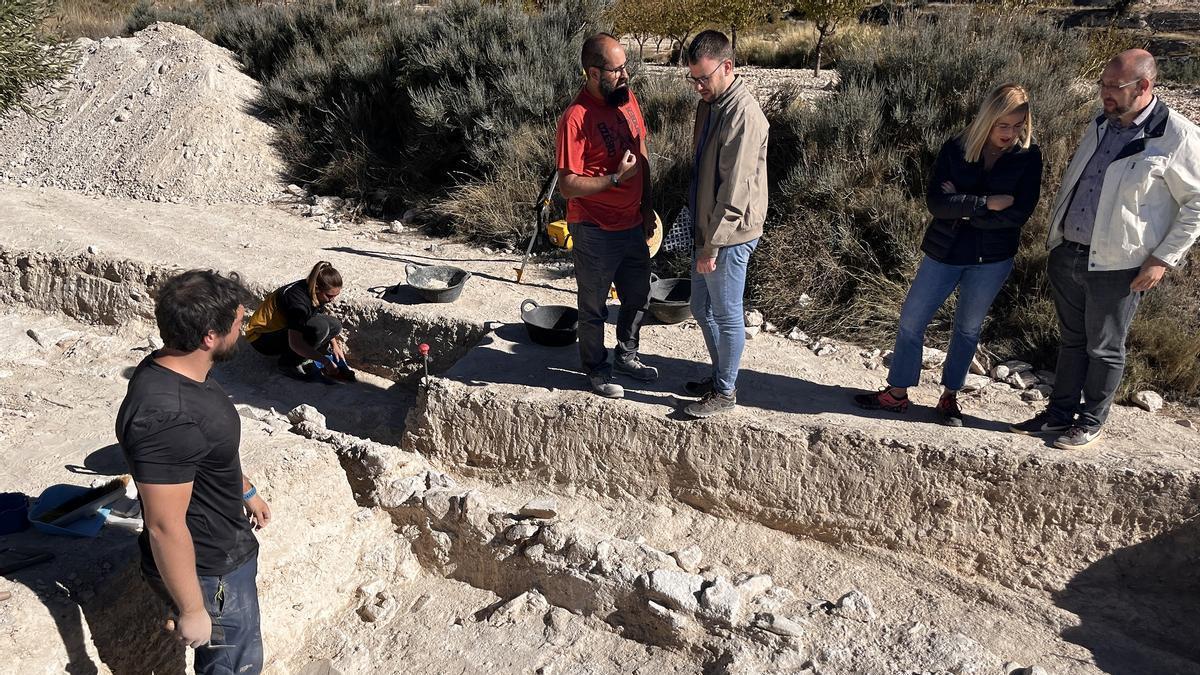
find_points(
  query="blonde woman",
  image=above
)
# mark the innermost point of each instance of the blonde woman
(293, 323)
(985, 184)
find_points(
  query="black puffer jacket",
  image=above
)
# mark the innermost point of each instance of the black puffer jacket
(963, 230)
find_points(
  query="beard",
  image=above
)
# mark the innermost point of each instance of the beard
(615, 95)
(225, 353)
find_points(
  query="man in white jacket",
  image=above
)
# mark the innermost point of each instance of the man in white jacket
(1128, 210)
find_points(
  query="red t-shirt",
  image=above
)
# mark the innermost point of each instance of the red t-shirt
(592, 138)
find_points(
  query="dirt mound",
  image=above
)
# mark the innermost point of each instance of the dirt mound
(163, 115)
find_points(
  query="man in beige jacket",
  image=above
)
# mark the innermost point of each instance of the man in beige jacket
(728, 202)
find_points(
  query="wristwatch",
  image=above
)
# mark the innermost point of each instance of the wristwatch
(614, 180)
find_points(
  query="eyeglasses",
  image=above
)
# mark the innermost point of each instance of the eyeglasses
(1104, 85)
(703, 81)
(623, 68)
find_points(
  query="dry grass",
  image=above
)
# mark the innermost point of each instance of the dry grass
(790, 44)
(88, 18)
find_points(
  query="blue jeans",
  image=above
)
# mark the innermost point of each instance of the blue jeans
(977, 287)
(232, 604)
(717, 306)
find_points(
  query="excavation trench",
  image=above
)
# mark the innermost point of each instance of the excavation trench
(1071, 532)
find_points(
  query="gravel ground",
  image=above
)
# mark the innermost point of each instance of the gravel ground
(160, 116)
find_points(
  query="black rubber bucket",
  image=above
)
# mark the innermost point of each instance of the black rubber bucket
(671, 299)
(550, 325)
(437, 283)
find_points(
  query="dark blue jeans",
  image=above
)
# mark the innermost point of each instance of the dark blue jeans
(604, 259)
(1095, 310)
(232, 604)
(318, 332)
(717, 306)
(977, 287)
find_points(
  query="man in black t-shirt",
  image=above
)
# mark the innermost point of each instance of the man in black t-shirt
(180, 435)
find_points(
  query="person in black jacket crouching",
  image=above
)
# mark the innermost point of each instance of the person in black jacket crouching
(985, 184)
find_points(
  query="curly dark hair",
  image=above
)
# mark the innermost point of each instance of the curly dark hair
(192, 303)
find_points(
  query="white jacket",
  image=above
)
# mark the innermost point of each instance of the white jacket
(1150, 201)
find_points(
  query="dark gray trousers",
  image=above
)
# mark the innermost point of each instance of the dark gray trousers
(604, 259)
(318, 333)
(1095, 310)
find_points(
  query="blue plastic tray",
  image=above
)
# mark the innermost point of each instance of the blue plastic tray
(57, 494)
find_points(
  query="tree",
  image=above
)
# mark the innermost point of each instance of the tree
(636, 18)
(827, 16)
(26, 60)
(741, 14)
(678, 19)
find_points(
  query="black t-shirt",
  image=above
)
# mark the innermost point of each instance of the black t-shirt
(294, 302)
(173, 430)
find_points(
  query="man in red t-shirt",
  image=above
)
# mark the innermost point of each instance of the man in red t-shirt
(604, 174)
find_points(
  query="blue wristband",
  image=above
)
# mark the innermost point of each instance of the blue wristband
(250, 493)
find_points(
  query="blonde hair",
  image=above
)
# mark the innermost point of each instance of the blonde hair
(1001, 101)
(323, 278)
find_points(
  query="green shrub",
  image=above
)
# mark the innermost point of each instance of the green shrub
(1181, 71)
(28, 60)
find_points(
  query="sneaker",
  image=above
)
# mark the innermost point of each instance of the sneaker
(698, 387)
(1041, 423)
(602, 386)
(713, 403)
(633, 367)
(881, 400)
(1077, 438)
(948, 411)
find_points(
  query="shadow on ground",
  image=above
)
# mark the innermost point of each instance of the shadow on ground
(1137, 606)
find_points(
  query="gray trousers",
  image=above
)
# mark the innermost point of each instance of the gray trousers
(604, 259)
(1095, 310)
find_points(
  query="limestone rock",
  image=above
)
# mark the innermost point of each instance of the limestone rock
(1021, 379)
(856, 605)
(978, 366)
(521, 532)
(755, 585)
(799, 336)
(722, 601)
(754, 319)
(779, 625)
(677, 590)
(1032, 395)
(976, 383)
(1148, 400)
(544, 508)
(1018, 367)
(306, 413)
(529, 602)
(296, 191)
(1000, 372)
(689, 558)
(1186, 424)
(752, 332)
(932, 358)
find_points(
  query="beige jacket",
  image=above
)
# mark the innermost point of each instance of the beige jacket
(1150, 200)
(731, 182)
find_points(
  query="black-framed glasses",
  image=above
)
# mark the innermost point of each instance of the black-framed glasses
(703, 81)
(623, 68)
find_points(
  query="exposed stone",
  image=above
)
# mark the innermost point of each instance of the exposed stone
(755, 586)
(825, 349)
(754, 318)
(770, 327)
(1018, 367)
(978, 365)
(1148, 400)
(1021, 379)
(1000, 372)
(779, 625)
(1187, 424)
(689, 558)
(1032, 395)
(722, 601)
(521, 532)
(752, 332)
(976, 383)
(932, 358)
(677, 590)
(856, 605)
(545, 509)
(36, 337)
(799, 336)
(306, 413)
(296, 191)
(529, 602)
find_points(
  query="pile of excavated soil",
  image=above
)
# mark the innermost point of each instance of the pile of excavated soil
(163, 115)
